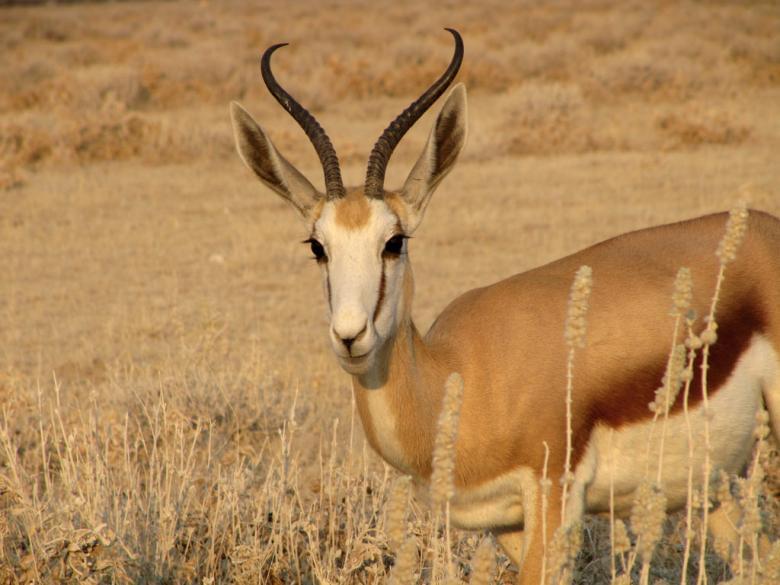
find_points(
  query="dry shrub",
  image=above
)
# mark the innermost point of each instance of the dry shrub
(160, 35)
(110, 133)
(107, 137)
(43, 27)
(24, 143)
(81, 61)
(83, 53)
(503, 65)
(82, 554)
(80, 90)
(609, 31)
(486, 71)
(772, 509)
(637, 73)
(23, 82)
(556, 59)
(202, 77)
(10, 177)
(528, 20)
(698, 125)
(548, 118)
(760, 55)
(365, 75)
(197, 77)
(239, 495)
(670, 66)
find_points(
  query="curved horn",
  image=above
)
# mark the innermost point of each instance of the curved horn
(334, 186)
(383, 149)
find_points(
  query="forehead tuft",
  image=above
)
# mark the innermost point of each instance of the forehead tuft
(352, 211)
(357, 213)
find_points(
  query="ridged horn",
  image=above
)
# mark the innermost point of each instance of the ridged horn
(334, 186)
(383, 149)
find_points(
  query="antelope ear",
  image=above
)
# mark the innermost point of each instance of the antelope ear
(260, 155)
(439, 155)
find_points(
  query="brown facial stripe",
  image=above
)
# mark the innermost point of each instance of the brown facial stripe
(327, 284)
(624, 399)
(381, 292)
(398, 230)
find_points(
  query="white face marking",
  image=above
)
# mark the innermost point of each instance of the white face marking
(353, 277)
(733, 410)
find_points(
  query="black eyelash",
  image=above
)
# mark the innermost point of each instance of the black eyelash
(395, 245)
(317, 249)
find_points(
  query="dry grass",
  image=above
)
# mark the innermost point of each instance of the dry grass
(170, 408)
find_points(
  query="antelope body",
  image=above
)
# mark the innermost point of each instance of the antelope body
(506, 340)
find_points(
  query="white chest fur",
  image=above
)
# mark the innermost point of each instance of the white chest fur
(383, 422)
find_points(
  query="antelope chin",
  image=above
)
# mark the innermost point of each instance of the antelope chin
(357, 365)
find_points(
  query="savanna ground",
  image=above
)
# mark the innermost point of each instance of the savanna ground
(171, 410)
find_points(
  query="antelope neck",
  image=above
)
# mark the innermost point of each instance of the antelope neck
(399, 400)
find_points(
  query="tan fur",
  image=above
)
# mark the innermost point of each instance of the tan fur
(414, 406)
(352, 211)
(316, 211)
(397, 205)
(506, 340)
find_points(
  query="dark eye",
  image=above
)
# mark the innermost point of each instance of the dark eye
(316, 249)
(395, 245)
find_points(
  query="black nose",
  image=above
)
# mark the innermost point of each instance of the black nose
(348, 341)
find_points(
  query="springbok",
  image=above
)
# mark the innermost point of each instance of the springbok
(506, 340)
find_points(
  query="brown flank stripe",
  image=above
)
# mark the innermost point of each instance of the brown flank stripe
(619, 405)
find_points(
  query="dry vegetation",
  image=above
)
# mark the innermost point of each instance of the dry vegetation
(170, 409)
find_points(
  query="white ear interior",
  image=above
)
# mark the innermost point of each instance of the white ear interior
(260, 155)
(444, 145)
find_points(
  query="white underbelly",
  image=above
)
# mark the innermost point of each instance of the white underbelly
(633, 454)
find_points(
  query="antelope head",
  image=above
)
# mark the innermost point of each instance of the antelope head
(358, 235)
